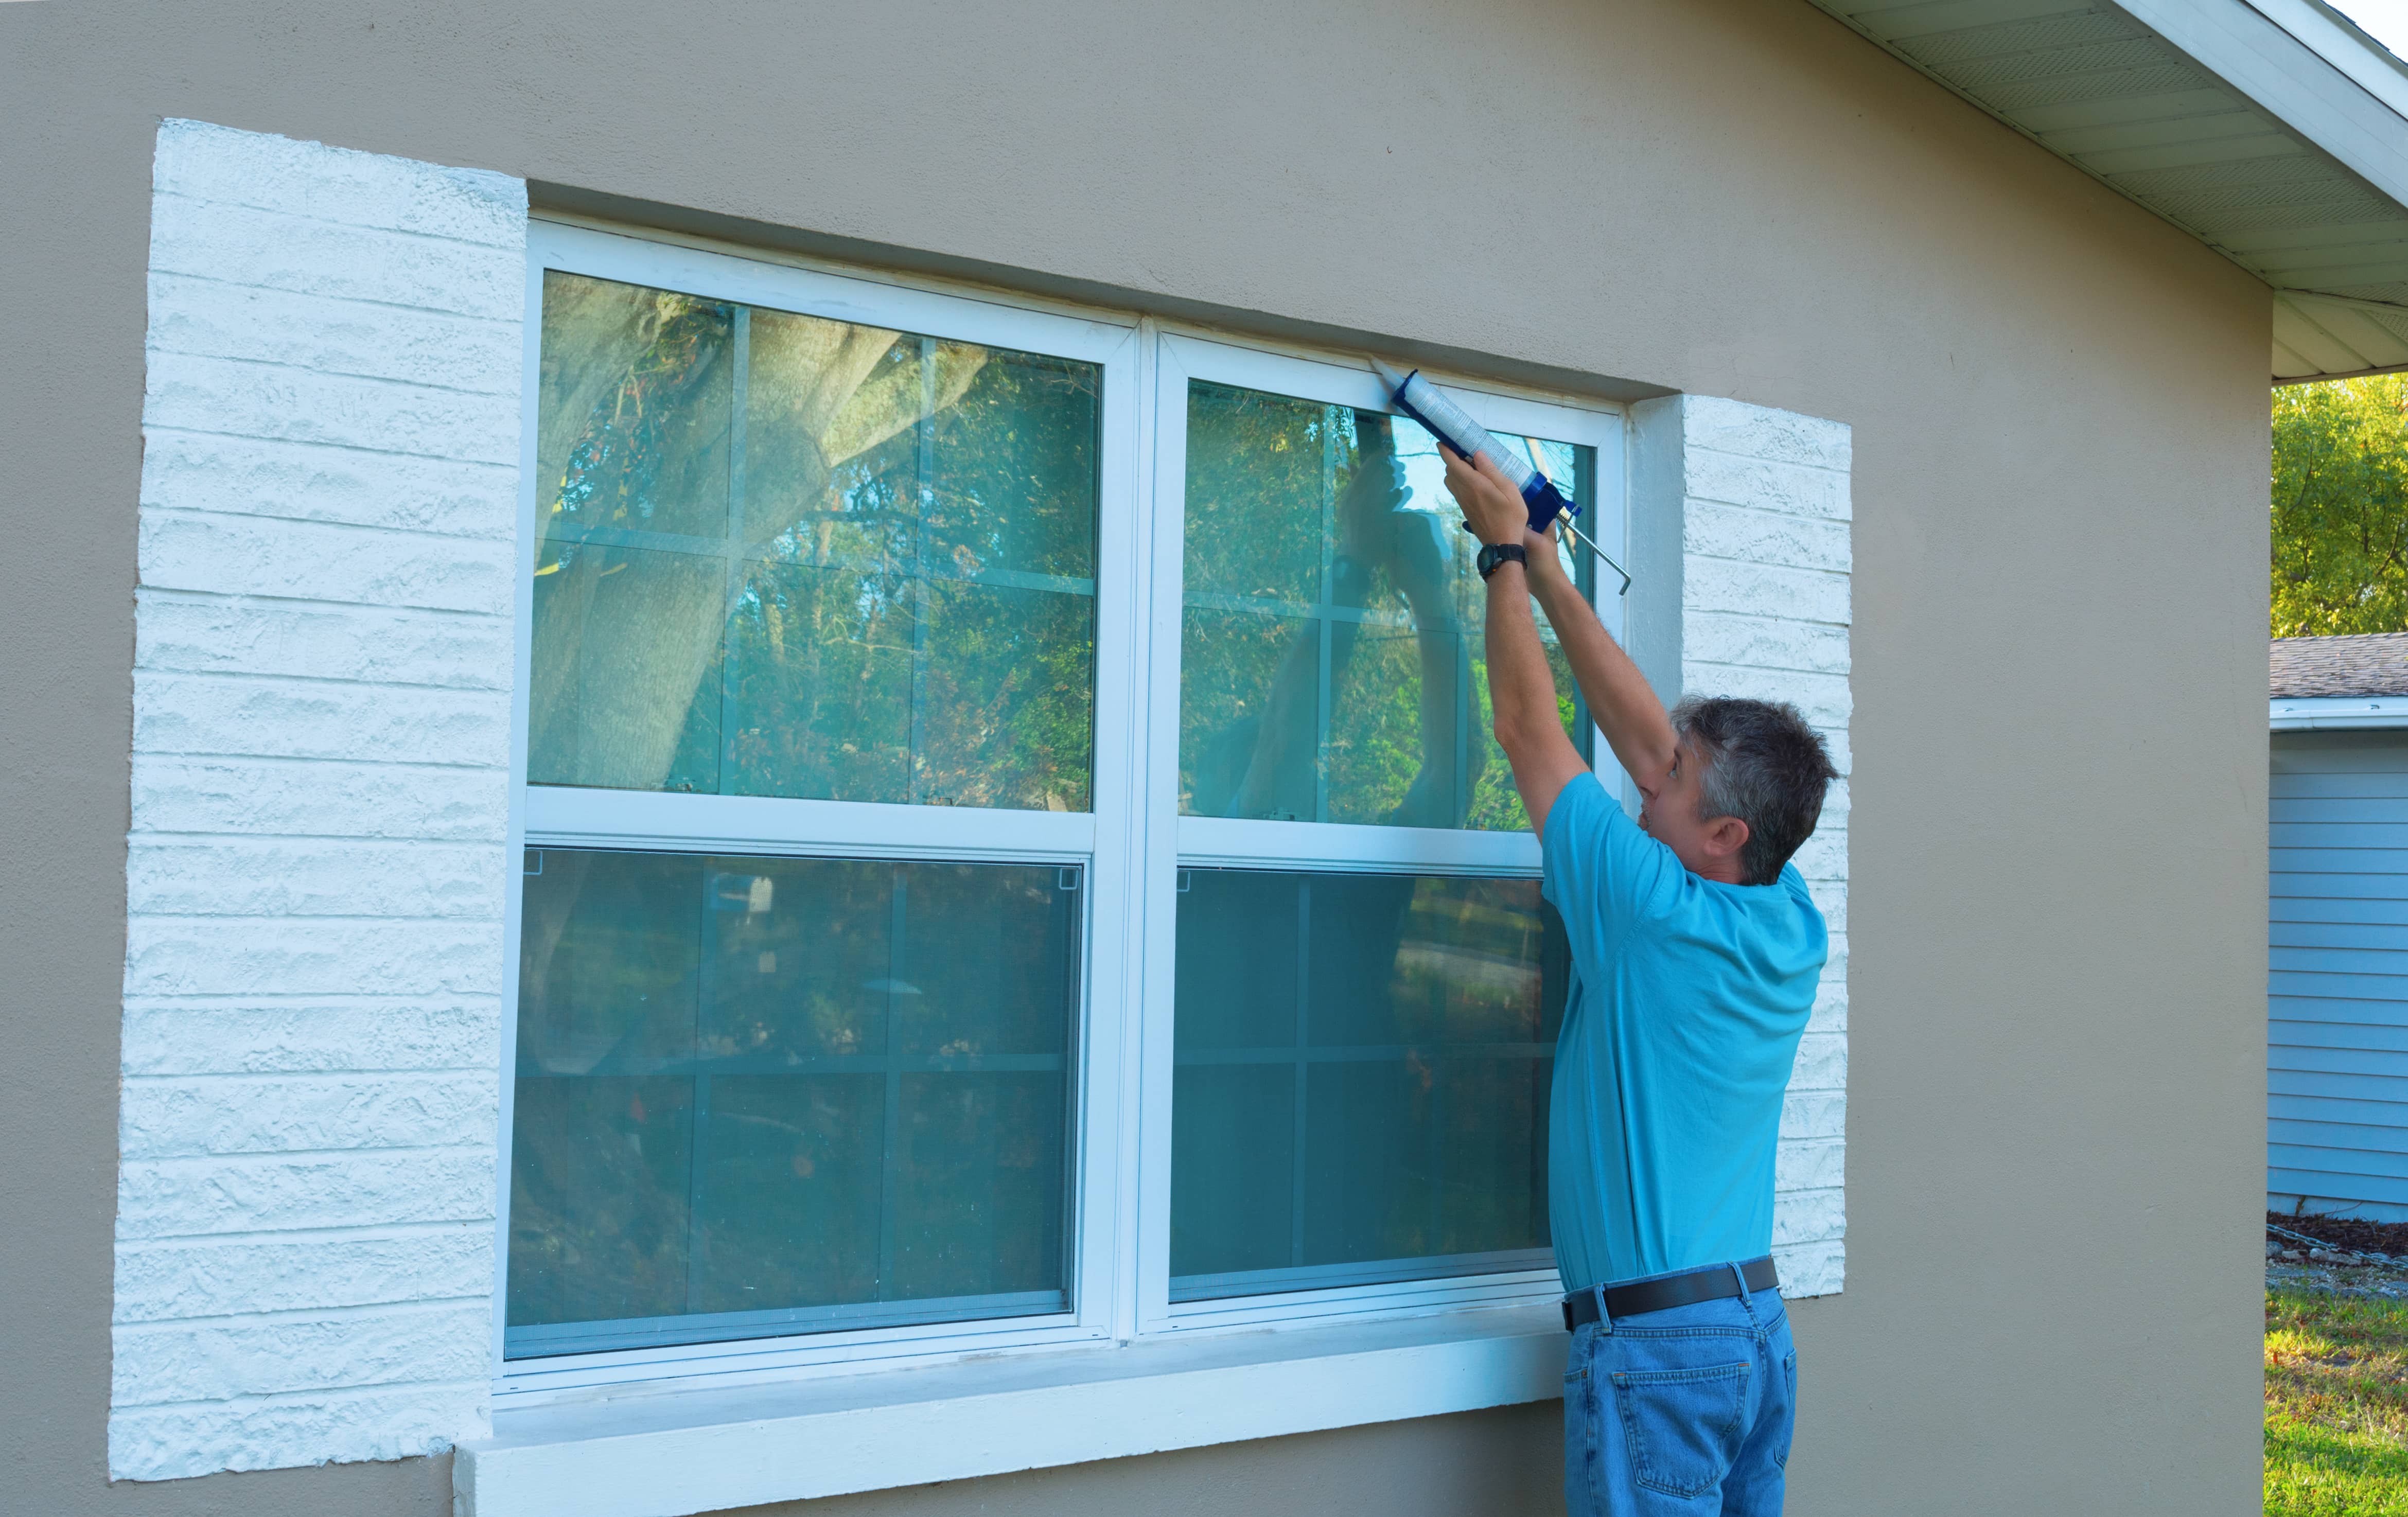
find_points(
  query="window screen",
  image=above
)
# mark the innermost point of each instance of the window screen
(778, 1094)
(1361, 1079)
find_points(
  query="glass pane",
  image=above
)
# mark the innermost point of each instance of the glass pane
(768, 1095)
(1332, 663)
(789, 556)
(1360, 1079)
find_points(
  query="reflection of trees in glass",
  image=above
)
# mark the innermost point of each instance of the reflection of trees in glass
(794, 556)
(770, 1084)
(1361, 1073)
(1332, 666)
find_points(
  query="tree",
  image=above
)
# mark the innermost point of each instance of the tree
(2341, 507)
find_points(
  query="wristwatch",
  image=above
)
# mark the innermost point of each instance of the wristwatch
(1500, 552)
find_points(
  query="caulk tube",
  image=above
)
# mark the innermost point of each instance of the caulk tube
(1427, 403)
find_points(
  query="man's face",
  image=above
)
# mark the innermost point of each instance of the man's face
(1670, 813)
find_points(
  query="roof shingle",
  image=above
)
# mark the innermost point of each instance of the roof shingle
(2374, 664)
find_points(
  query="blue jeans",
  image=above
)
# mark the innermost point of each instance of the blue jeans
(1682, 1412)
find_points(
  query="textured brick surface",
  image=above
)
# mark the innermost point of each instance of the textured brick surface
(321, 561)
(297, 1034)
(1766, 557)
(312, 877)
(240, 1278)
(303, 1351)
(241, 1193)
(198, 471)
(385, 1421)
(316, 640)
(316, 876)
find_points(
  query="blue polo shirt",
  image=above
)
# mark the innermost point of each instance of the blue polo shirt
(1687, 1000)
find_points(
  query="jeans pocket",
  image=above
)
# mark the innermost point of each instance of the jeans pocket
(1790, 1406)
(1682, 1427)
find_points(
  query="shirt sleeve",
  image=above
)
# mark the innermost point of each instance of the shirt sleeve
(1602, 870)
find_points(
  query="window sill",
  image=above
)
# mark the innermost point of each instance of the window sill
(669, 1454)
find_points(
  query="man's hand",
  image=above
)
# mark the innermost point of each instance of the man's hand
(1521, 687)
(1491, 508)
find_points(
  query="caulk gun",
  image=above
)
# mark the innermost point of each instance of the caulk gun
(1455, 430)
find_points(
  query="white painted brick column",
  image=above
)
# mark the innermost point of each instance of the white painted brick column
(1764, 505)
(317, 867)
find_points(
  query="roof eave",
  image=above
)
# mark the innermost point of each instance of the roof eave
(2335, 713)
(2274, 131)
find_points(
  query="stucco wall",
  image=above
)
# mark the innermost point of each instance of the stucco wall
(2059, 434)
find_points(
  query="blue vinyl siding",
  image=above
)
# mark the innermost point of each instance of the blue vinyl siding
(2337, 974)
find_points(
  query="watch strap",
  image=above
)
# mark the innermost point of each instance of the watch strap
(1496, 554)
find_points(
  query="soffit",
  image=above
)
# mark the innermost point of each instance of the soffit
(2276, 132)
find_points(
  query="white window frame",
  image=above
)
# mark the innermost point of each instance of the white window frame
(1131, 844)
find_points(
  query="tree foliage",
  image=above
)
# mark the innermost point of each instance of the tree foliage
(2339, 529)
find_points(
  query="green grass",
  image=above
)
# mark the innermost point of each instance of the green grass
(2336, 1406)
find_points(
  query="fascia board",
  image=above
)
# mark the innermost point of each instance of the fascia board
(2337, 39)
(2340, 111)
(2332, 714)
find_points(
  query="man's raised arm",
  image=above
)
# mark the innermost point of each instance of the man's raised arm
(1619, 697)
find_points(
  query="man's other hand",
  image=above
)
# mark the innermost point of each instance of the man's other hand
(1491, 508)
(1543, 558)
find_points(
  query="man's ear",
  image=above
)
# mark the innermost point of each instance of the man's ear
(1725, 836)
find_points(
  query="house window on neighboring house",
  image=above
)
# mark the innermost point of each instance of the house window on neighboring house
(979, 891)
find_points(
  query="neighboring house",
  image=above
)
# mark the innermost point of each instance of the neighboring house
(2337, 995)
(732, 775)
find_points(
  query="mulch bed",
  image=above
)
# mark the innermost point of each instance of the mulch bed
(2350, 1233)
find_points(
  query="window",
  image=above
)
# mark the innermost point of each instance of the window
(980, 893)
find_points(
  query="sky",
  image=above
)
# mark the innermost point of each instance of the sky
(2385, 21)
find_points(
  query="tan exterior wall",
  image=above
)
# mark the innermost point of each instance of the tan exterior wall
(2058, 1014)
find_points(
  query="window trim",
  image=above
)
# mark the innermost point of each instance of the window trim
(1132, 842)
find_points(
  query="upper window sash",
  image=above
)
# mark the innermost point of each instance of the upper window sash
(939, 581)
(1336, 844)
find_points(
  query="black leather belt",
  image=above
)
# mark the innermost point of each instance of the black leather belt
(1712, 1284)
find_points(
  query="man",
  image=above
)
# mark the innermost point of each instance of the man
(1695, 949)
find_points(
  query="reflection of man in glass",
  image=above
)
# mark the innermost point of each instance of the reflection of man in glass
(1268, 766)
(1696, 950)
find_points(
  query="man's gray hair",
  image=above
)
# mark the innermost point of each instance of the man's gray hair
(1764, 766)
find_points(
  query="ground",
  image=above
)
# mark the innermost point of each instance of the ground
(2337, 1370)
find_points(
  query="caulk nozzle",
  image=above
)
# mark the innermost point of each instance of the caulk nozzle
(1394, 380)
